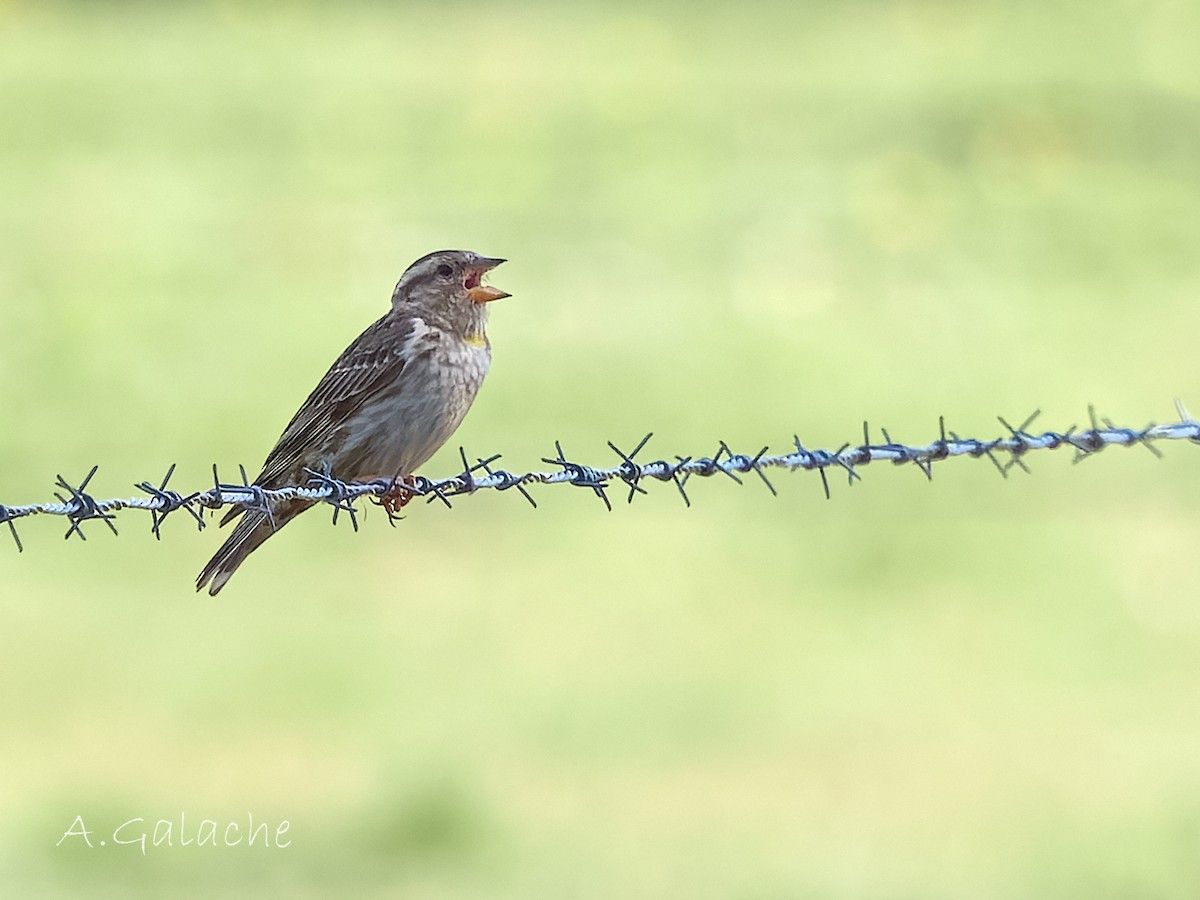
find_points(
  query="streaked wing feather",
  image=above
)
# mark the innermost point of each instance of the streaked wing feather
(371, 362)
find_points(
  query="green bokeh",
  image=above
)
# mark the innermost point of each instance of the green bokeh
(724, 221)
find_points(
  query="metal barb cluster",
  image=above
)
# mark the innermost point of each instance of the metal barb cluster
(78, 506)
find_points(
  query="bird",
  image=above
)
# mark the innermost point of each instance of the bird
(387, 404)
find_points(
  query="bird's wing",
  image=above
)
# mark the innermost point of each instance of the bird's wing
(373, 361)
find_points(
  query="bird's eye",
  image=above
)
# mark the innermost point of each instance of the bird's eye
(445, 271)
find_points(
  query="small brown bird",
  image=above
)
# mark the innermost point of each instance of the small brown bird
(390, 401)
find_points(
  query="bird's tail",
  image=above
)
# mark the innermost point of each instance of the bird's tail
(254, 528)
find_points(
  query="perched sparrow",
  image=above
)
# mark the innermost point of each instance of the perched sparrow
(389, 402)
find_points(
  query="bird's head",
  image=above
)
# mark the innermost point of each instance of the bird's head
(448, 283)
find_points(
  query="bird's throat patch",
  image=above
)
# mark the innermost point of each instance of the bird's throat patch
(476, 340)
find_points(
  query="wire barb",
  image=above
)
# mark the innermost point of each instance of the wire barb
(79, 506)
(169, 502)
(8, 517)
(580, 475)
(82, 506)
(629, 471)
(339, 496)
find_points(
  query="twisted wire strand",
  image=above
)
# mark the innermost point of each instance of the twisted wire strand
(79, 506)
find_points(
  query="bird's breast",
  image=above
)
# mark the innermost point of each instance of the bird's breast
(408, 423)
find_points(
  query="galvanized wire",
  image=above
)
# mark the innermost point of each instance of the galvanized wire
(1006, 452)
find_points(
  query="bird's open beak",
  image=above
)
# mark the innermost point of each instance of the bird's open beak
(484, 293)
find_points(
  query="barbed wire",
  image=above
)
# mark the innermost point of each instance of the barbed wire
(79, 506)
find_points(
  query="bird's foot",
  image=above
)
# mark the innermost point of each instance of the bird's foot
(397, 496)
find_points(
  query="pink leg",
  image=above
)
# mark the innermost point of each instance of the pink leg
(397, 496)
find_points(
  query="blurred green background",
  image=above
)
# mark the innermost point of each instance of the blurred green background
(724, 221)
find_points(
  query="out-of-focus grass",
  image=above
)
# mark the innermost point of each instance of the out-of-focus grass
(725, 222)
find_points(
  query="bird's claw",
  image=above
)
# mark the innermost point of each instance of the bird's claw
(397, 496)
